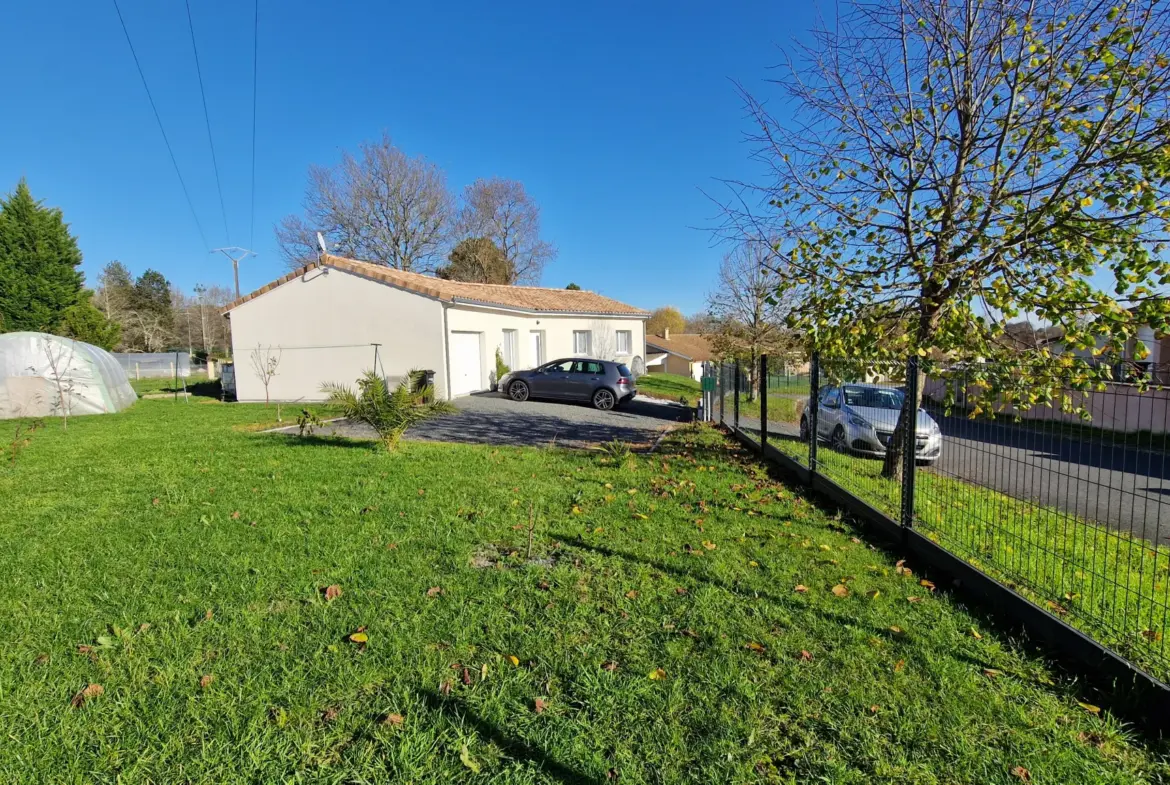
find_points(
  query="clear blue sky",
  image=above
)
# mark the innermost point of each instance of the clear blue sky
(614, 115)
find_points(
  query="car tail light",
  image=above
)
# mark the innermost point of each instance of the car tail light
(624, 380)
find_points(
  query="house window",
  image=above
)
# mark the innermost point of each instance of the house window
(511, 350)
(625, 342)
(582, 342)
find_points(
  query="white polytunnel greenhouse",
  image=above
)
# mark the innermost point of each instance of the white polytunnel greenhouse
(44, 375)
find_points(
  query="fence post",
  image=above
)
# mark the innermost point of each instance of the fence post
(909, 441)
(723, 390)
(814, 394)
(763, 401)
(735, 392)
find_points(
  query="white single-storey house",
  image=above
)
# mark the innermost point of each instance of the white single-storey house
(334, 319)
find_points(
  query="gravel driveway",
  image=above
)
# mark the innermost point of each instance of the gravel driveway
(490, 418)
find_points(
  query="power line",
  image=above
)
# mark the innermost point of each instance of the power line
(255, 58)
(207, 122)
(161, 130)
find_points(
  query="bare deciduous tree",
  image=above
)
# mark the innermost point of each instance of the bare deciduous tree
(381, 206)
(265, 365)
(748, 315)
(503, 212)
(59, 357)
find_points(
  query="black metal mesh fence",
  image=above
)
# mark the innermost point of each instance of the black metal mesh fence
(1062, 496)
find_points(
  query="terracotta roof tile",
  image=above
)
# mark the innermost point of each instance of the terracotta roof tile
(690, 345)
(527, 298)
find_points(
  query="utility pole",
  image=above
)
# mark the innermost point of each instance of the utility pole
(237, 255)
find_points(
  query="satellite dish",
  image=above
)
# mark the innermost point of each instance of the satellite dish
(321, 243)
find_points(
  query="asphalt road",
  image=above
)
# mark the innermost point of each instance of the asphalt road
(490, 418)
(1126, 487)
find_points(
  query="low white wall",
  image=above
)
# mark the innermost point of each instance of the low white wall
(558, 335)
(1119, 407)
(321, 326)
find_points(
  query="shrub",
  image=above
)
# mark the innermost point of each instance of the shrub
(388, 412)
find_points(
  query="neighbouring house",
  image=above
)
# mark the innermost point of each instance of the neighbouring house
(331, 320)
(681, 353)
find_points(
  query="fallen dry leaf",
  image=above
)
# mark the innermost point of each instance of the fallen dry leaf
(756, 647)
(657, 674)
(1022, 773)
(927, 584)
(679, 590)
(445, 688)
(512, 658)
(801, 588)
(805, 656)
(1089, 707)
(874, 709)
(709, 545)
(913, 599)
(992, 673)
(332, 592)
(894, 628)
(236, 515)
(329, 714)
(609, 665)
(538, 706)
(466, 677)
(206, 681)
(88, 692)
(434, 591)
(154, 501)
(396, 719)
(631, 595)
(873, 595)
(975, 634)
(840, 590)
(359, 637)
(41, 659)
(899, 665)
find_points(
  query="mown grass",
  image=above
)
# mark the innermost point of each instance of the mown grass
(192, 557)
(1108, 583)
(671, 386)
(196, 384)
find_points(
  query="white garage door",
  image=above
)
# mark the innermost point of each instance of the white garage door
(466, 363)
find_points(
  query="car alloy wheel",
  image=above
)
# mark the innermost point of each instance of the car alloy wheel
(839, 439)
(604, 400)
(518, 391)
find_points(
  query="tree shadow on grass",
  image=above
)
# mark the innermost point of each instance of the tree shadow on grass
(293, 440)
(460, 715)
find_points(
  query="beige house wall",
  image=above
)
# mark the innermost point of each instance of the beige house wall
(673, 364)
(1120, 407)
(321, 327)
(490, 323)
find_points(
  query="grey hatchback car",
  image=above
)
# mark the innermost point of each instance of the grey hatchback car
(602, 383)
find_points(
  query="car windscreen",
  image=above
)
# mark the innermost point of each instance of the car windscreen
(873, 398)
(624, 371)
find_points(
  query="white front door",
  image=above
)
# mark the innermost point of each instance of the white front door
(537, 353)
(466, 363)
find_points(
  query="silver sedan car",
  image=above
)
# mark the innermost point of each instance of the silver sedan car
(603, 383)
(861, 418)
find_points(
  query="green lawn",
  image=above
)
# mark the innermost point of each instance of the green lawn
(1108, 583)
(196, 384)
(180, 561)
(668, 385)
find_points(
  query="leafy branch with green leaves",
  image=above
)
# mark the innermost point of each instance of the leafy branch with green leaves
(949, 167)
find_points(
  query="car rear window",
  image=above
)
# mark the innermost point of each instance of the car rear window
(624, 370)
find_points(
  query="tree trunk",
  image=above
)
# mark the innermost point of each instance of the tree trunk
(892, 467)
